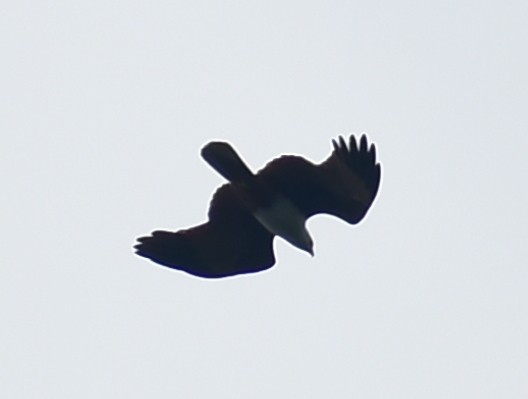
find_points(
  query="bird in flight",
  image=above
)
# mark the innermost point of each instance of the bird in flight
(246, 213)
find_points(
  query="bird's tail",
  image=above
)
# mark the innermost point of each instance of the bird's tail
(223, 158)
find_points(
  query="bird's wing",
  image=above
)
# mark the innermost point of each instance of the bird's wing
(232, 242)
(344, 185)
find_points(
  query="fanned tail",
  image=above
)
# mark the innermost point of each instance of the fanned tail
(223, 158)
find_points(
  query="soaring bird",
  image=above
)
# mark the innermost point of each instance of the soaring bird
(246, 213)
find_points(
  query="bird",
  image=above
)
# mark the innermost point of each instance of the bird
(248, 211)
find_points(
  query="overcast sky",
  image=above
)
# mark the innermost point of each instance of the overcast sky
(104, 108)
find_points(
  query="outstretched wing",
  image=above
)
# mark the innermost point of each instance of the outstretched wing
(231, 242)
(344, 185)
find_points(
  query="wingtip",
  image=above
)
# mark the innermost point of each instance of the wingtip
(363, 143)
(342, 142)
(353, 144)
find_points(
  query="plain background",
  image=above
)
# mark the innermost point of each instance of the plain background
(104, 108)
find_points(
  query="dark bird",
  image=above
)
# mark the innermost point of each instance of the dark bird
(251, 209)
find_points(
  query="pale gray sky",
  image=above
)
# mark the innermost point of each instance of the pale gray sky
(104, 108)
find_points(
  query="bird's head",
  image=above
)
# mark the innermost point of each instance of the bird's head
(302, 241)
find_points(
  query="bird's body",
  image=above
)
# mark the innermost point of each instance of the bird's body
(246, 213)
